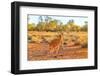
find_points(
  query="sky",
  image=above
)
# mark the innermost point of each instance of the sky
(79, 20)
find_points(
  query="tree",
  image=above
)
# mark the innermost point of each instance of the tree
(40, 19)
(47, 19)
(85, 26)
(41, 26)
(52, 25)
(31, 27)
(71, 26)
(78, 28)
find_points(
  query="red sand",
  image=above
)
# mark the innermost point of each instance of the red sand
(39, 51)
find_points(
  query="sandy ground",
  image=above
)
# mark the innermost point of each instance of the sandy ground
(39, 51)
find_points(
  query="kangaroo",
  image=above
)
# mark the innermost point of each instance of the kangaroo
(55, 44)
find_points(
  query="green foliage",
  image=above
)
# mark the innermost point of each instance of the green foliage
(71, 26)
(40, 26)
(52, 25)
(31, 27)
(56, 25)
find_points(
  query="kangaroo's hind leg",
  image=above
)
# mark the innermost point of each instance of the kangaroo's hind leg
(51, 50)
(57, 50)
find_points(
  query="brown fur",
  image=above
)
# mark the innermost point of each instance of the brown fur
(55, 45)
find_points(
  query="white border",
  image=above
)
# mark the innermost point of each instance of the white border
(26, 65)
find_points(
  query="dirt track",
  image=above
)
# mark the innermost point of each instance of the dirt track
(39, 51)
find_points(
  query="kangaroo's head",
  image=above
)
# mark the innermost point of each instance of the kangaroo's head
(61, 35)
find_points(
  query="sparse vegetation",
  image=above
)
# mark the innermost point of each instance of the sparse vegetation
(42, 33)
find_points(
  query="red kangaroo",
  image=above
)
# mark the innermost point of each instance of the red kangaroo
(55, 44)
